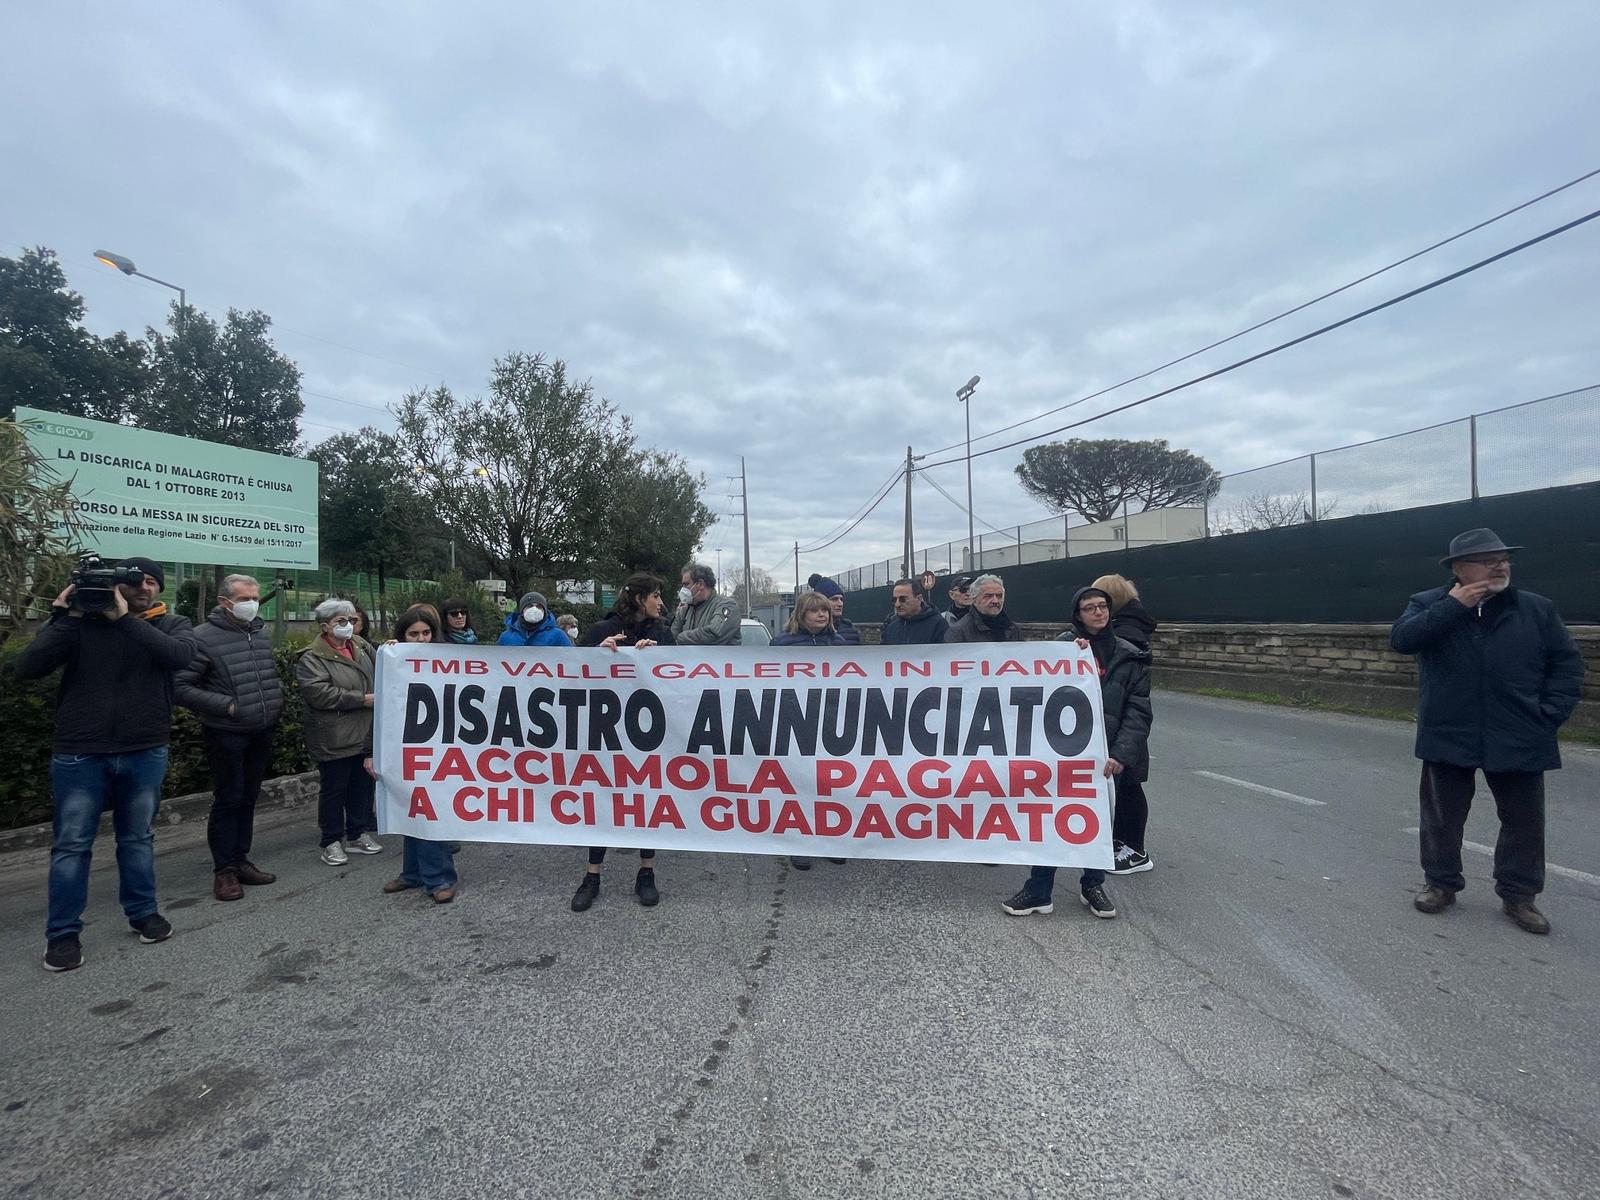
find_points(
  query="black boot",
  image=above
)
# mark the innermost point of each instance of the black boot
(645, 887)
(587, 891)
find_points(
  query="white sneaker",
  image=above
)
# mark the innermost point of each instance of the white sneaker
(333, 854)
(364, 845)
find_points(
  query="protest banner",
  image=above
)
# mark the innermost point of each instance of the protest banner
(969, 753)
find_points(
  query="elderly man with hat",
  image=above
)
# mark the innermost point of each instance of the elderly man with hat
(118, 650)
(1499, 674)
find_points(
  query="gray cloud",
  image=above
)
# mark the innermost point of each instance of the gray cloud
(791, 235)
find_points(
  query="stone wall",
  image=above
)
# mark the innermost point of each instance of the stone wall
(1334, 664)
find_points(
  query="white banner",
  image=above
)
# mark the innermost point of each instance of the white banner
(971, 753)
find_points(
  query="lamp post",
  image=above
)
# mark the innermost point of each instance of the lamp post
(964, 395)
(125, 265)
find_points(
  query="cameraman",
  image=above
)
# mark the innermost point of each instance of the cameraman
(113, 723)
(233, 687)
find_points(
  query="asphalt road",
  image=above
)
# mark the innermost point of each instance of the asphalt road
(1268, 1017)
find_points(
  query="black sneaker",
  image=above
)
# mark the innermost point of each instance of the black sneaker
(1097, 902)
(64, 953)
(587, 891)
(1131, 861)
(799, 862)
(1025, 902)
(152, 929)
(644, 887)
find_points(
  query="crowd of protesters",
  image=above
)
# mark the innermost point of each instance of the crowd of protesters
(1499, 674)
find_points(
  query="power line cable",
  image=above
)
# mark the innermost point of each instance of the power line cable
(960, 507)
(898, 472)
(1289, 312)
(882, 495)
(1305, 337)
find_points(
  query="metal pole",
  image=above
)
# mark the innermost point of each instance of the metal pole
(797, 572)
(1019, 545)
(1472, 450)
(971, 536)
(744, 487)
(907, 563)
(1313, 515)
(1066, 535)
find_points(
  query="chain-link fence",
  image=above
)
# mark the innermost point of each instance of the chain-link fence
(1537, 444)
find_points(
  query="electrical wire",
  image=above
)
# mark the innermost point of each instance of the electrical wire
(1289, 312)
(893, 479)
(1305, 337)
(960, 507)
(881, 496)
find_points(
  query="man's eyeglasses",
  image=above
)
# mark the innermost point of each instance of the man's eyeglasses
(1094, 608)
(1497, 560)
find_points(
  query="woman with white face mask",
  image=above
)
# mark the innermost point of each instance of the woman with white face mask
(335, 673)
(531, 624)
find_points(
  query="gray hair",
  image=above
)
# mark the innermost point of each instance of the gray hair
(229, 580)
(329, 609)
(978, 583)
(698, 572)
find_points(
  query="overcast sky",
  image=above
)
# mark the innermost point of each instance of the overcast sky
(792, 236)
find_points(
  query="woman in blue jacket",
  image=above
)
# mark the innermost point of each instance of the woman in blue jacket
(811, 625)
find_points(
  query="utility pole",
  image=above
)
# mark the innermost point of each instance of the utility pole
(744, 490)
(905, 567)
(797, 572)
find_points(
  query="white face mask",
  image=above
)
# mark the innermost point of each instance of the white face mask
(342, 630)
(246, 610)
(533, 614)
(685, 596)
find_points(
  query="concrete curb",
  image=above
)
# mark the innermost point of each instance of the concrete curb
(284, 792)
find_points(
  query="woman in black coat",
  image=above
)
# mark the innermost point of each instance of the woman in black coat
(636, 622)
(1129, 621)
(1125, 701)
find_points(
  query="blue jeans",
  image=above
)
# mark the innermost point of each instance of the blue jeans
(83, 784)
(427, 865)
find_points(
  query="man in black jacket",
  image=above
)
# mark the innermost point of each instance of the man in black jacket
(1499, 674)
(914, 623)
(960, 599)
(232, 686)
(113, 723)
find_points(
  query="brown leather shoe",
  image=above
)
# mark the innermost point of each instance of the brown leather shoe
(397, 885)
(225, 885)
(443, 895)
(1434, 899)
(1526, 915)
(252, 875)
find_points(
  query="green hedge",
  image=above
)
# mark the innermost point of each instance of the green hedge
(27, 714)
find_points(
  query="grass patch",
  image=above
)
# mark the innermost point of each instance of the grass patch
(1586, 737)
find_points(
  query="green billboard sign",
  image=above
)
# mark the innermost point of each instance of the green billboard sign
(178, 498)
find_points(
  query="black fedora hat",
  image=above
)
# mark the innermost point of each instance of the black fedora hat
(1474, 541)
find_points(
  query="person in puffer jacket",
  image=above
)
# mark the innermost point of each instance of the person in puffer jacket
(532, 624)
(232, 686)
(1125, 701)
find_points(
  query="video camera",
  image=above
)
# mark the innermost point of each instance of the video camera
(94, 582)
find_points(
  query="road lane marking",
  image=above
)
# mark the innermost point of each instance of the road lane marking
(1553, 868)
(1261, 787)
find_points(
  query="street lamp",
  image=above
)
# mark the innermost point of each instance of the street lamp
(964, 395)
(125, 265)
